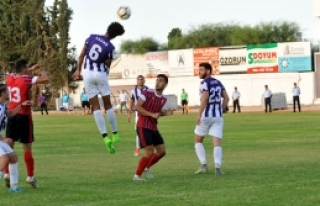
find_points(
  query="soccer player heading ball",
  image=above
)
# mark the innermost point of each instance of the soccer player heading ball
(149, 107)
(97, 54)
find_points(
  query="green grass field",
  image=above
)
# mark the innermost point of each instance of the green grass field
(269, 159)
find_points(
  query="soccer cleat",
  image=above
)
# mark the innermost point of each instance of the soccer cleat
(109, 145)
(218, 171)
(149, 174)
(202, 170)
(115, 138)
(32, 182)
(136, 152)
(7, 181)
(138, 178)
(15, 190)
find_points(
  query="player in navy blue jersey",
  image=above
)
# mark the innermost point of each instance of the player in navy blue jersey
(97, 55)
(150, 108)
(209, 119)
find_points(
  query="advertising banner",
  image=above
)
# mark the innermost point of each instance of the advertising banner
(233, 60)
(129, 65)
(294, 57)
(206, 55)
(157, 63)
(181, 62)
(262, 58)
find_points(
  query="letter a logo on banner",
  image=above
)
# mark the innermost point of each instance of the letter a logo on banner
(180, 59)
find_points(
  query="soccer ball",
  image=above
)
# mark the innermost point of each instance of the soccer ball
(124, 12)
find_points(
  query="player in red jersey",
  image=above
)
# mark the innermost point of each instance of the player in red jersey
(20, 127)
(150, 108)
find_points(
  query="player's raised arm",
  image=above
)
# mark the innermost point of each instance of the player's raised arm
(142, 111)
(34, 67)
(42, 79)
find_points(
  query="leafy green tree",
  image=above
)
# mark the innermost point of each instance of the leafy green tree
(141, 46)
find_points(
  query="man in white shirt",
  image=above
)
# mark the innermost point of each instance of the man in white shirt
(296, 98)
(123, 100)
(267, 98)
(235, 97)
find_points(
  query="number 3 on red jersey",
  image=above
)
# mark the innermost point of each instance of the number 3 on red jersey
(14, 94)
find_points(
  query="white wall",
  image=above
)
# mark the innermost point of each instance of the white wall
(251, 86)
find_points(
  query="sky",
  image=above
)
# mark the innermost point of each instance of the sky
(156, 18)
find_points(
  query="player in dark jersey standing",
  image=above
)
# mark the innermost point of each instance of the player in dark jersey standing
(20, 127)
(149, 107)
(209, 117)
(97, 54)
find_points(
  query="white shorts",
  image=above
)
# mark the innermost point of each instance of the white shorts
(211, 125)
(65, 104)
(5, 148)
(96, 83)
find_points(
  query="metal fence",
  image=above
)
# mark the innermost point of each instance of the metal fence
(278, 101)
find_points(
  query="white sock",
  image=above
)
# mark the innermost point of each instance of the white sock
(101, 123)
(217, 155)
(14, 174)
(137, 142)
(1, 173)
(112, 119)
(201, 153)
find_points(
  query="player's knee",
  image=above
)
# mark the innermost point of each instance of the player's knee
(13, 158)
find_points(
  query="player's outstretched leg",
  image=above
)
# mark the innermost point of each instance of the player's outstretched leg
(14, 178)
(201, 154)
(112, 118)
(29, 160)
(143, 163)
(161, 152)
(101, 123)
(217, 155)
(13, 175)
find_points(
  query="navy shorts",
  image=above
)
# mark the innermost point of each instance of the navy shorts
(20, 128)
(149, 137)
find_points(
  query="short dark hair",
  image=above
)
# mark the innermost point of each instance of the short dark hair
(21, 64)
(3, 88)
(166, 80)
(115, 29)
(207, 66)
(140, 76)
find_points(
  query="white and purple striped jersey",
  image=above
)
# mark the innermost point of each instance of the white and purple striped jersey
(136, 92)
(214, 87)
(99, 49)
(3, 117)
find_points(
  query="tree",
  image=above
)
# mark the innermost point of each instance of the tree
(39, 34)
(174, 35)
(141, 46)
(220, 34)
